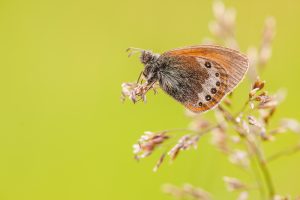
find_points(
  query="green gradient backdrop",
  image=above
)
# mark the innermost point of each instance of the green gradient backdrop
(64, 133)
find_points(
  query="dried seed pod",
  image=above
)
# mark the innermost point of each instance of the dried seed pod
(184, 143)
(233, 184)
(159, 162)
(258, 84)
(240, 158)
(148, 143)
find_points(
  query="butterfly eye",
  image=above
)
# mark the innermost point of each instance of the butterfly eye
(145, 57)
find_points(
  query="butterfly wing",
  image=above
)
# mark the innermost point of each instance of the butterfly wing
(200, 76)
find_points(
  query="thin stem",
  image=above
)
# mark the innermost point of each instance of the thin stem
(208, 129)
(259, 155)
(256, 173)
(202, 132)
(263, 166)
(268, 178)
(243, 108)
(177, 130)
(287, 152)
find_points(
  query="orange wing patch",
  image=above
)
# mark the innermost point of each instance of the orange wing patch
(235, 63)
(231, 64)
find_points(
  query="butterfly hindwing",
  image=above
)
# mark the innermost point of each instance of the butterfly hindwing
(196, 82)
(200, 76)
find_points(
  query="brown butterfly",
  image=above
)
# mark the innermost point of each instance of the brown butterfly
(199, 77)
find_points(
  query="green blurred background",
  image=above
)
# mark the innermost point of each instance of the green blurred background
(64, 133)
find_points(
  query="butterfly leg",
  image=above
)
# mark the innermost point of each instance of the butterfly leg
(140, 77)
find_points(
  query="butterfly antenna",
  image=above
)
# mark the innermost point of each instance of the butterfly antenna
(133, 50)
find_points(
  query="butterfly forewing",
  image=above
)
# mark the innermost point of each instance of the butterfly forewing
(214, 72)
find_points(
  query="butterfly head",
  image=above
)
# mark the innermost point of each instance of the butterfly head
(151, 69)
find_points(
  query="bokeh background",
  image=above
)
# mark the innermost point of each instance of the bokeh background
(64, 134)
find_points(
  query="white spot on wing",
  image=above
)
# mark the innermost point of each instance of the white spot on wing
(210, 82)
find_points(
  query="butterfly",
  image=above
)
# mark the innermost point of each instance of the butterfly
(198, 77)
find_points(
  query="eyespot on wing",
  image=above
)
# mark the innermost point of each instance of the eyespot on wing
(235, 63)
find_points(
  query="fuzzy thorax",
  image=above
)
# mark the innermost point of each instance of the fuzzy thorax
(150, 60)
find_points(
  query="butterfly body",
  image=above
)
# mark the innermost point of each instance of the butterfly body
(198, 76)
